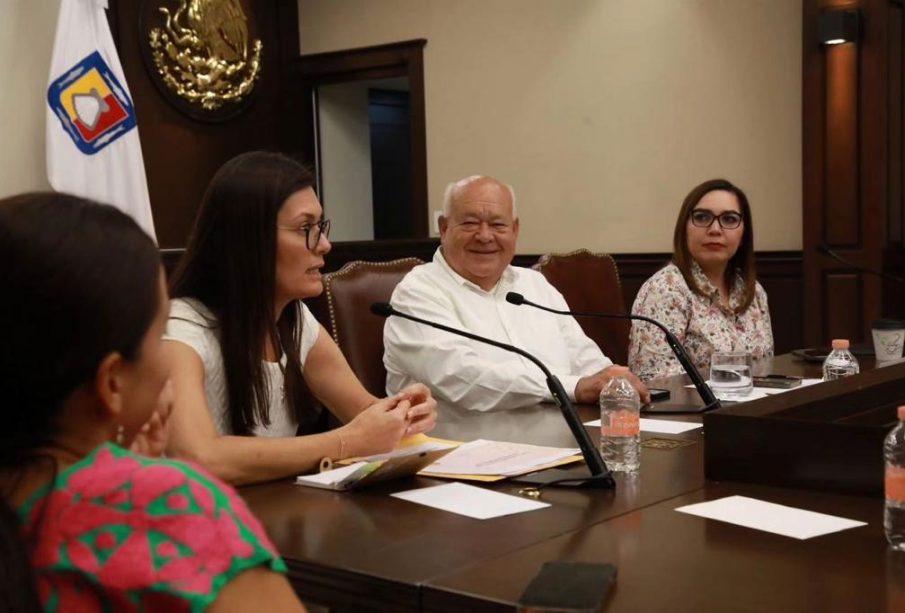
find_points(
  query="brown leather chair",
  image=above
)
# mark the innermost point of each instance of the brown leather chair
(590, 282)
(350, 291)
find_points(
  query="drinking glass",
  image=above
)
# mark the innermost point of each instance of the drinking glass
(730, 374)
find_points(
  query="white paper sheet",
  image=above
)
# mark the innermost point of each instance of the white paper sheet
(469, 500)
(770, 517)
(665, 426)
(659, 426)
(763, 392)
(482, 457)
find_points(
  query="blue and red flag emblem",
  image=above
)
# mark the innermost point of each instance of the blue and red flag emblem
(91, 104)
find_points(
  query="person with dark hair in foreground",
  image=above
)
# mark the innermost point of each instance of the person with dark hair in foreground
(246, 349)
(708, 296)
(90, 521)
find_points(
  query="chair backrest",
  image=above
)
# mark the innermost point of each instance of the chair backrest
(350, 292)
(590, 282)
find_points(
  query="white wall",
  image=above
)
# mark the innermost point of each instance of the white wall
(680, 91)
(345, 140)
(602, 113)
(26, 41)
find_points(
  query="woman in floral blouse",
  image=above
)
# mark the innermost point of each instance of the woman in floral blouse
(708, 295)
(89, 521)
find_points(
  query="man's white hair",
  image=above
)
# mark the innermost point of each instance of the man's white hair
(461, 184)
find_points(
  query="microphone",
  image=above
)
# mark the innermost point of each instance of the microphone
(710, 401)
(600, 474)
(825, 250)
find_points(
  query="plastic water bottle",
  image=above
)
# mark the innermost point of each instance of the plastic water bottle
(840, 362)
(894, 513)
(620, 425)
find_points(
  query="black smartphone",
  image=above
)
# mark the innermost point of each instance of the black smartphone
(777, 381)
(657, 393)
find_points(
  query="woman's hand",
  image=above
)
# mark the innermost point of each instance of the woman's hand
(422, 415)
(377, 429)
(151, 440)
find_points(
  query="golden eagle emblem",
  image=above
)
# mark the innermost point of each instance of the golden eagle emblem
(203, 55)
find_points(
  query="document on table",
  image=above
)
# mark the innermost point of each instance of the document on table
(660, 426)
(338, 478)
(483, 457)
(410, 450)
(469, 500)
(762, 392)
(404, 461)
(770, 517)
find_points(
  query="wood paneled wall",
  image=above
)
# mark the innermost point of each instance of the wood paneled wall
(181, 154)
(853, 108)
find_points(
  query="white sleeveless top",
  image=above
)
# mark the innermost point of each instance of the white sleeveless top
(193, 324)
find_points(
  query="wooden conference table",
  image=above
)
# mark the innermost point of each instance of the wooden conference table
(368, 551)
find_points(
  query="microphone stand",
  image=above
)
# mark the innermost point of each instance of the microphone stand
(600, 474)
(710, 401)
(825, 250)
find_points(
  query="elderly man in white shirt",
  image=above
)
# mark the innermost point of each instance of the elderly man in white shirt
(485, 391)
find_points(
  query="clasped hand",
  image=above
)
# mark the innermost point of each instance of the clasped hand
(588, 388)
(380, 426)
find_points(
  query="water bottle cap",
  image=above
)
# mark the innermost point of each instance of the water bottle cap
(617, 381)
(619, 385)
(901, 413)
(840, 343)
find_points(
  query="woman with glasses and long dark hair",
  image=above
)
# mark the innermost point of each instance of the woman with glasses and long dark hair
(708, 296)
(89, 521)
(246, 350)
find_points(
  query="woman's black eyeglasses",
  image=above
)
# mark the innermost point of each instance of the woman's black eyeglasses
(729, 220)
(312, 232)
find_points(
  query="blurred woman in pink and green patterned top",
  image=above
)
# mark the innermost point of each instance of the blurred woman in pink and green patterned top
(89, 520)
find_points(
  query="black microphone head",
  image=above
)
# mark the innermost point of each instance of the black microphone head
(515, 298)
(382, 309)
(823, 248)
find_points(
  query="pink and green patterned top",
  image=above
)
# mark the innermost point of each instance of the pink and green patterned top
(122, 532)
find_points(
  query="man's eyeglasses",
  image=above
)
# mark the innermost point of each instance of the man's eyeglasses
(312, 232)
(729, 220)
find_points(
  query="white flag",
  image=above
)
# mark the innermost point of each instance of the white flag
(92, 136)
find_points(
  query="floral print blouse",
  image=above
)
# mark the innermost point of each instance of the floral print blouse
(701, 323)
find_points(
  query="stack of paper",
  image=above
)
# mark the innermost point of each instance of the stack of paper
(430, 445)
(339, 478)
(661, 426)
(479, 460)
(497, 459)
(401, 462)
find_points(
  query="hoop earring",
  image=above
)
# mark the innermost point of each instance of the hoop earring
(120, 434)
